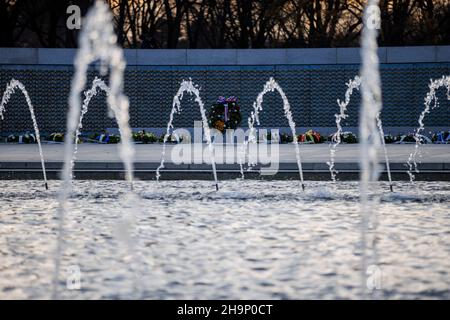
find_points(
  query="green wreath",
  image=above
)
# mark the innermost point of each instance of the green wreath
(225, 114)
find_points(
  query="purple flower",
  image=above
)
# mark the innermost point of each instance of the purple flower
(221, 99)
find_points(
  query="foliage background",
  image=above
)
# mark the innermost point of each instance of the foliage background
(229, 23)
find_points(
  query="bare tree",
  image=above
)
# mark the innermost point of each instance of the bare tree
(230, 23)
(11, 24)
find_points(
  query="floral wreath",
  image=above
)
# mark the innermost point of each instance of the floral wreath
(310, 136)
(225, 114)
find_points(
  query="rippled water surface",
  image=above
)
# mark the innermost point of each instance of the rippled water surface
(252, 239)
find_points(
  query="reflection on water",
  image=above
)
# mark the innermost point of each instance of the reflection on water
(252, 239)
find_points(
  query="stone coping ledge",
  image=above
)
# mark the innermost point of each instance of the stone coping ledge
(236, 57)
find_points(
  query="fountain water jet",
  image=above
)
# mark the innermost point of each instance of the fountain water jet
(272, 86)
(13, 84)
(97, 42)
(97, 83)
(431, 95)
(189, 87)
(352, 85)
(370, 139)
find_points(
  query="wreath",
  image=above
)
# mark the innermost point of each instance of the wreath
(225, 114)
(349, 137)
(104, 137)
(441, 137)
(56, 136)
(311, 136)
(22, 138)
(145, 137)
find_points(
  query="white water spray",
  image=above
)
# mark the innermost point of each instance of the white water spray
(271, 86)
(89, 94)
(97, 42)
(189, 87)
(10, 88)
(353, 85)
(430, 97)
(370, 139)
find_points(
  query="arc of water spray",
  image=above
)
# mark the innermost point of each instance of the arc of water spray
(10, 89)
(272, 86)
(97, 42)
(370, 109)
(353, 85)
(189, 87)
(386, 157)
(429, 98)
(97, 83)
